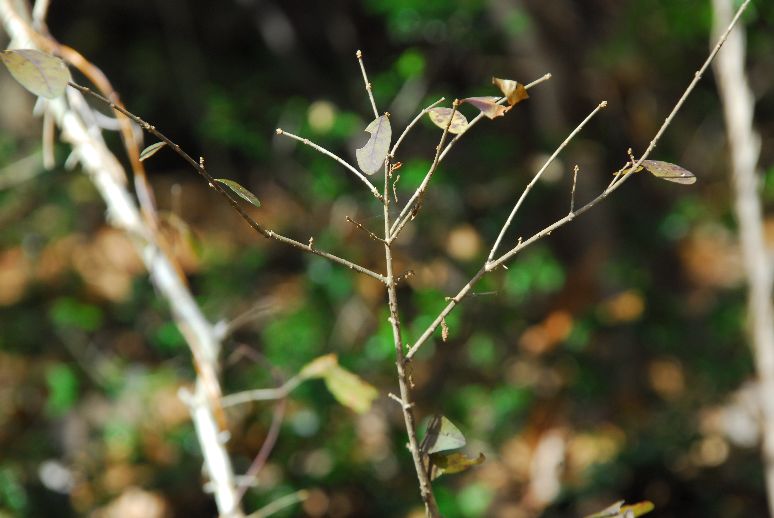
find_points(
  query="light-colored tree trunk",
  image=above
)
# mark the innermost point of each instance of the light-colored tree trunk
(744, 148)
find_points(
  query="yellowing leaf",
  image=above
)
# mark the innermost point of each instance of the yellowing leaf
(440, 117)
(371, 156)
(151, 150)
(639, 508)
(618, 510)
(318, 367)
(240, 191)
(450, 463)
(349, 389)
(669, 172)
(512, 90)
(487, 105)
(40, 73)
(441, 435)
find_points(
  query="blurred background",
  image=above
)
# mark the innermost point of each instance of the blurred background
(610, 361)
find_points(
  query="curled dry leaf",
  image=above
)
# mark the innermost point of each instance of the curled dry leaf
(488, 106)
(151, 150)
(371, 156)
(40, 73)
(440, 117)
(240, 191)
(512, 90)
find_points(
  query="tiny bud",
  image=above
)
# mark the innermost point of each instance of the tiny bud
(603, 104)
(358, 54)
(278, 131)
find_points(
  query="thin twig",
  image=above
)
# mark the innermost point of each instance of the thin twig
(263, 454)
(359, 56)
(537, 176)
(425, 486)
(337, 158)
(546, 231)
(401, 220)
(270, 234)
(271, 394)
(412, 206)
(411, 124)
(361, 227)
(395, 188)
(280, 504)
(574, 183)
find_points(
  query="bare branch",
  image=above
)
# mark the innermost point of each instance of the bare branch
(415, 202)
(361, 227)
(280, 504)
(338, 159)
(359, 56)
(566, 219)
(199, 167)
(537, 176)
(574, 183)
(411, 124)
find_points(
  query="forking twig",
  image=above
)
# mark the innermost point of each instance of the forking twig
(199, 167)
(401, 220)
(537, 176)
(566, 219)
(425, 486)
(406, 214)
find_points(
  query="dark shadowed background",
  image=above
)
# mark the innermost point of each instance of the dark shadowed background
(596, 368)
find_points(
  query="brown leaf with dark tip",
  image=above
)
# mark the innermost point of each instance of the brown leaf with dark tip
(512, 90)
(488, 106)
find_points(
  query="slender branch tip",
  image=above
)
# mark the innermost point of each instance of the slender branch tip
(279, 131)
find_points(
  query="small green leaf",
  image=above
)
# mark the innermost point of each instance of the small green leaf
(487, 105)
(440, 117)
(349, 389)
(40, 73)
(241, 191)
(441, 435)
(450, 463)
(371, 156)
(151, 150)
(669, 172)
